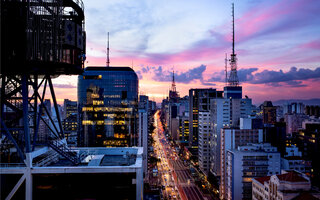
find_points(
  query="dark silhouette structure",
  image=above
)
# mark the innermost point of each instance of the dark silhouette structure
(40, 40)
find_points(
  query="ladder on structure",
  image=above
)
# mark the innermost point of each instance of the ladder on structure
(61, 147)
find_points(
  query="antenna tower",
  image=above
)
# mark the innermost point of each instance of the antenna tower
(233, 78)
(108, 59)
(226, 67)
(173, 85)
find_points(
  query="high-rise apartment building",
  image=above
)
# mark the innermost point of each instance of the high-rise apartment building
(44, 131)
(69, 108)
(269, 113)
(70, 121)
(312, 110)
(225, 112)
(179, 126)
(245, 163)
(275, 134)
(308, 142)
(108, 107)
(294, 122)
(232, 139)
(183, 130)
(143, 130)
(204, 140)
(294, 107)
(251, 123)
(47, 105)
(199, 100)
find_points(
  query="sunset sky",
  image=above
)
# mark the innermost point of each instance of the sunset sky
(277, 45)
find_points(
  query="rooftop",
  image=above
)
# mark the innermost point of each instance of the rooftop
(93, 160)
(293, 158)
(104, 68)
(292, 176)
(263, 179)
(305, 195)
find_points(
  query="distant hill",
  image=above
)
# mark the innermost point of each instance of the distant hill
(304, 101)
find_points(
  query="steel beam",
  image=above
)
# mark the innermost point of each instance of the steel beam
(16, 187)
(7, 132)
(35, 109)
(25, 103)
(39, 114)
(55, 106)
(41, 100)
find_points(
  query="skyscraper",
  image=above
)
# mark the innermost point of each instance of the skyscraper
(143, 129)
(232, 139)
(269, 113)
(69, 108)
(199, 100)
(225, 112)
(204, 138)
(70, 121)
(108, 107)
(247, 162)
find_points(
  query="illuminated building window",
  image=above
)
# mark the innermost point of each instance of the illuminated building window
(112, 96)
(92, 77)
(110, 101)
(86, 109)
(87, 122)
(246, 179)
(119, 122)
(97, 103)
(119, 135)
(100, 122)
(93, 95)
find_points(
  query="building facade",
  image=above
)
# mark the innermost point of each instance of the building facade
(285, 186)
(269, 113)
(308, 142)
(225, 112)
(70, 121)
(204, 140)
(108, 107)
(232, 139)
(199, 100)
(143, 130)
(245, 163)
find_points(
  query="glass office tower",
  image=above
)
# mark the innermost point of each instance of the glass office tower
(108, 107)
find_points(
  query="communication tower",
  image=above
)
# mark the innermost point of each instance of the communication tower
(232, 88)
(233, 77)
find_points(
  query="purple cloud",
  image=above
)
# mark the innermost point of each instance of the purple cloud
(161, 75)
(64, 86)
(292, 78)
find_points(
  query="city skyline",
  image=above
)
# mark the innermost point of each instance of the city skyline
(276, 44)
(196, 130)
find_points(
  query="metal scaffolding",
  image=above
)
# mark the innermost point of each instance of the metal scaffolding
(40, 40)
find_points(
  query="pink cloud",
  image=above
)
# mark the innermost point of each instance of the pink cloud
(315, 44)
(279, 17)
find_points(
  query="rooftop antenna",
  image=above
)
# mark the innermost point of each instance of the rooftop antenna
(233, 29)
(108, 59)
(233, 78)
(226, 68)
(132, 64)
(173, 86)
